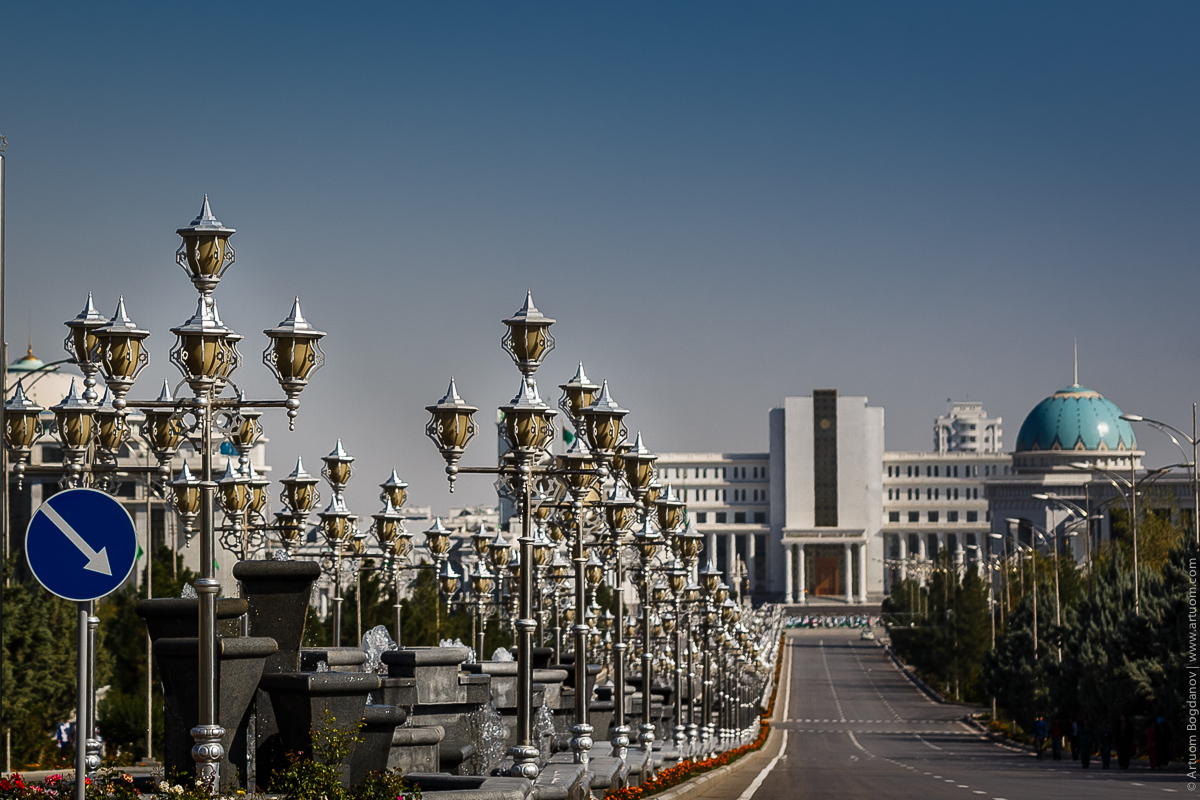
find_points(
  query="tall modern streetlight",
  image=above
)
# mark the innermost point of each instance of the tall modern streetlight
(1194, 441)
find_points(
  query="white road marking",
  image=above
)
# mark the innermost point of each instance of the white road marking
(762, 776)
(917, 736)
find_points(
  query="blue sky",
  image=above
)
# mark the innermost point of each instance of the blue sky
(722, 204)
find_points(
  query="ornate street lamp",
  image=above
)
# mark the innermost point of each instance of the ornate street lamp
(294, 355)
(203, 351)
(451, 427)
(185, 490)
(22, 429)
(528, 339)
(122, 357)
(75, 423)
(81, 344)
(163, 430)
(205, 253)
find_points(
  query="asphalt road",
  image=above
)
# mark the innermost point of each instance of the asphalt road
(858, 728)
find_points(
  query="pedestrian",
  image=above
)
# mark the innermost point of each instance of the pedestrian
(1056, 739)
(1083, 732)
(1039, 735)
(1124, 742)
(1152, 744)
(1074, 740)
(1162, 741)
(1104, 732)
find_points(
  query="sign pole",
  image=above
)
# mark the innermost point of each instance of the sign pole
(81, 702)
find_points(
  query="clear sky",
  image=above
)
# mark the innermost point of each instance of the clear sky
(722, 204)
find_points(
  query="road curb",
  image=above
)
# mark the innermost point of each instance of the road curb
(688, 787)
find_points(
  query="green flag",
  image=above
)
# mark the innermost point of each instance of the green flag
(140, 553)
(568, 437)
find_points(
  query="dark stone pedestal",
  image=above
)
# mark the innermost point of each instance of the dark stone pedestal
(278, 593)
(240, 665)
(302, 701)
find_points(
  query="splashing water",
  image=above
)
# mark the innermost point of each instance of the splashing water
(322, 666)
(487, 733)
(189, 592)
(376, 642)
(281, 555)
(543, 730)
(502, 654)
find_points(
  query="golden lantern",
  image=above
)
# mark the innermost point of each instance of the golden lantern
(163, 429)
(300, 493)
(619, 509)
(245, 429)
(294, 354)
(578, 394)
(670, 511)
(647, 541)
(480, 540)
(710, 578)
(290, 526)
(122, 357)
(111, 430)
(451, 427)
(75, 423)
(721, 594)
(82, 346)
(543, 548)
(691, 544)
(528, 338)
(594, 570)
(482, 582)
(388, 524)
(602, 424)
(677, 577)
(185, 492)
(205, 252)
(203, 352)
(337, 523)
(233, 491)
(501, 550)
(259, 498)
(639, 466)
(577, 469)
(528, 422)
(339, 468)
(447, 579)
(437, 539)
(22, 427)
(394, 490)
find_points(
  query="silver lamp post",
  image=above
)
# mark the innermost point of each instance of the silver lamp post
(1194, 441)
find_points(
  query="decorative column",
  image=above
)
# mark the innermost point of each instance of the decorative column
(750, 554)
(903, 555)
(731, 565)
(803, 576)
(862, 573)
(848, 562)
(788, 596)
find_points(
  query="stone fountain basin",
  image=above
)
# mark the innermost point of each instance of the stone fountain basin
(177, 617)
(338, 659)
(301, 701)
(240, 665)
(279, 593)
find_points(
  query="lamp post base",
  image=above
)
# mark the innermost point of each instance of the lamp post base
(525, 762)
(646, 736)
(207, 753)
(581, 742)
(620, 741)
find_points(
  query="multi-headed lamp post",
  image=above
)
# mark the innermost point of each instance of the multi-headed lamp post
(206, 354)
(529, 430)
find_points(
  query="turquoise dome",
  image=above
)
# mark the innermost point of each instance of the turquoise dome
(1075, 418)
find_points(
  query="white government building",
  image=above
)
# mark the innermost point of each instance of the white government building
(828, 515)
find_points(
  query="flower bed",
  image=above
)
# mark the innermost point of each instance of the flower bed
(686, 770)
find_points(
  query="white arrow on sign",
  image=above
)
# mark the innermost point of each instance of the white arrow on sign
(97, 562)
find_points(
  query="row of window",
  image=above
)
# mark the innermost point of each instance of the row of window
(936, 516)
(718, 473)
(739, 518)
(950, 471)
(935, 493)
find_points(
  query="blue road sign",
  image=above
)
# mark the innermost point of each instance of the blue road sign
(81, 544)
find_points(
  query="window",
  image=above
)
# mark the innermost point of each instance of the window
(723, 499)
(909, 468)
(933, 516)
(720, 515)
(937, 494)
(739, 517)
(893, 516)
(760, 518)
(955, 492)
(951, 516)
(976, 494)
(914, 516)
(929, 494)
(935, 470)
(928, 471)
(972, 516)
(910, 494)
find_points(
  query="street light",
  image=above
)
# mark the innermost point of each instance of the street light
(1194, 441)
